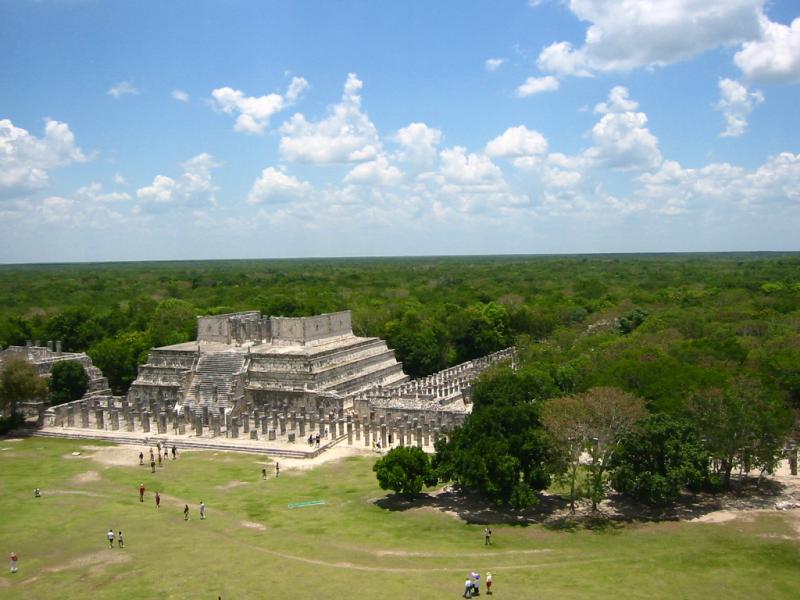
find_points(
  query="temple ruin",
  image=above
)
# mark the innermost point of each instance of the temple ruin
(278, 380)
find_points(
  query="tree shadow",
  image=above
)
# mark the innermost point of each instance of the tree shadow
(553, 511)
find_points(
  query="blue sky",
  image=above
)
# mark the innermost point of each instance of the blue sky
(195, 129)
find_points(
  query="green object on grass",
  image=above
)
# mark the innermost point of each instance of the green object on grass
(306, 503)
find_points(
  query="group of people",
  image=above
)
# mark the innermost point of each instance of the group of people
(277, 471)
(472, 586)
(202, 511)
(110, 536)
(161, 461)
(312, 439)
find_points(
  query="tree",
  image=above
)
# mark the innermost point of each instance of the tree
(68, 382)
(173, 322)
(19, 382)
(420, 344)
(567, 422)
(480, 330)
(593, 422)
(119, 357)
(743, 426)
(405, 470)
(502, 449)
(655, 462)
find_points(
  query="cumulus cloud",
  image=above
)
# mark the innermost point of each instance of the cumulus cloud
(536, 85)
(621, 138)
(94, 192)
(736, 103)
(345, 135)
(775, 56)
(468, 169)
(629, 34)
(273, 185)
(674, 190)
(123, 88)
(419, 145)
(180, 95)
(492, 64)
(195, 186)
(376, 172)
(517, 141)
(254, 113)
(25, 159)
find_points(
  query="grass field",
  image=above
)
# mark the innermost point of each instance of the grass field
(253, 546)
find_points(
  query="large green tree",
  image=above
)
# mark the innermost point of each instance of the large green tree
(173, 321)
(119, 357)
(68, 382)
(19, 382)
(502, 449)
(655, 462)
(405, 470)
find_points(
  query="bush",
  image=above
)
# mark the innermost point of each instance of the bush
(405, 471)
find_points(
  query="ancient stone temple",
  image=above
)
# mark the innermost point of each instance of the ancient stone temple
(280, 379)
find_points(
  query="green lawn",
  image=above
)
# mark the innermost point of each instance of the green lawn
(253, 546)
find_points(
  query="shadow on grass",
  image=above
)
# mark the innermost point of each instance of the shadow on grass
(553, 511)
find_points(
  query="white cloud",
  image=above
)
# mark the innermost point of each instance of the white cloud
(94, 193)
(345, 135)
(536, 85)
(419, 144)
(722, 187)
(517, 141)
(180, 95)
(254, 113)
(492, 64)
(468, 169)
(123, 88)
(274, 185)
(736, 103)
(119, 179)
(621, 138)
(194, 187)
(376, 172)
(775, 56)
(25, 159)
(629, 34)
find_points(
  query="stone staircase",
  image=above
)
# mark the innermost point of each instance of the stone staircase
(220, 369)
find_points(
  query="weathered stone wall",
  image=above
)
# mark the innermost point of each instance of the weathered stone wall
(304, 330)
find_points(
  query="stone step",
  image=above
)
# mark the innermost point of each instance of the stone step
(192, 443)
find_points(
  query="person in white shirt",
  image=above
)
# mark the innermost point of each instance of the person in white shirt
(110, 536)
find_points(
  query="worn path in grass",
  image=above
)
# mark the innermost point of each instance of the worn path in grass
(252, 545)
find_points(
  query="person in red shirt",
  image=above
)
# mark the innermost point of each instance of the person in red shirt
(158, 500)
(141, 492)
(14, 559)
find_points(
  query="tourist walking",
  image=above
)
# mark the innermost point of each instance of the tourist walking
(174, 452)
(120, 543)
(141, 492)
(468, 588)
(487, 536)
(488, 583)
(110, 536)
(158, 500)
(14, 559)
(37, 493)
(141, 458)
(159, 460)
(185, 512)
(152, 464)
(263, 473)
(202, 510)
(277, 469)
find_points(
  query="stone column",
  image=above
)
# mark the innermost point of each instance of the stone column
(366, 434)
(272, 435)
(162, 423)
(349, 431)
(181, 425)
(99, 420)
(114, 415)
(402, 436)
(146, 422)
(129, 422)
(215, 424)
(198, 425)
(234, 427)
(205, 415)
(341, 426)
(426, 433)
(282, 423)
(84, 416)
(254, 434)
(383, 435)
(293, 421)
(358, 429)
(419, 436)
(301, 422)
(264, 426)
(245, 423)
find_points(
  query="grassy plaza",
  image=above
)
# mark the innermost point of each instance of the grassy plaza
(358, 544)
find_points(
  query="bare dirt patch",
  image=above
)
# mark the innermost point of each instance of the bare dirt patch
(96, 561)
(4, 583)
(87, 477)
(71, 493)
(231, 485)
(333, 454)
(252, 525)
